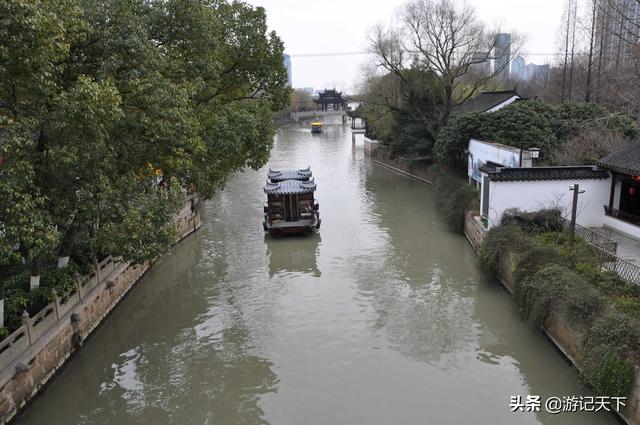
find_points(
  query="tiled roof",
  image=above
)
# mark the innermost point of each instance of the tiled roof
(484, 101)
(547, 173)
(281, 175)
(290, 187)
(625, 160)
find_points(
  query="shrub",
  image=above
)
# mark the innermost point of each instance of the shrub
(611, 285)
(608, 345)
(453, 197)
(545, 220)
(532, 256)
(611, 375)
(582, 301)
(628, 305)
(63, 280)
(497, 242)
(540, 293)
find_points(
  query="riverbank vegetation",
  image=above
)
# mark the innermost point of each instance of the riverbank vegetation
(454, 198)
(110, 112)
(567, 134)
(552, 281)
(412, 92)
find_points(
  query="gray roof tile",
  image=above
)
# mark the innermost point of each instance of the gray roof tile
(547, 173)
(625, 160)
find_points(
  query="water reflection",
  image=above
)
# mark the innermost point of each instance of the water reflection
(380, 319)
(294, 254)
(176, 352)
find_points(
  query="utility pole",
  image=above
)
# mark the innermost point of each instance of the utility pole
(574, 210)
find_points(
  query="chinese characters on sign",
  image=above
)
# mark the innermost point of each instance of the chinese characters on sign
(555, 405)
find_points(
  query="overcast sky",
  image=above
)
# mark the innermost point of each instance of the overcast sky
(335, 26)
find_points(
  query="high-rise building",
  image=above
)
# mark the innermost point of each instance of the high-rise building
(518, 68)
(502, 53)
(480, 63)
(287, 64)
(538, 73)
(616, 35)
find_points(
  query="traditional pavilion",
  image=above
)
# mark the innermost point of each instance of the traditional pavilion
(329, 100)
(624, 197)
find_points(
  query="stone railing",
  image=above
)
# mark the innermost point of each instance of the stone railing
(33, 328)
(17, 349)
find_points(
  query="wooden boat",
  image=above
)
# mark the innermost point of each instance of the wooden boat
(302, 174)
(291, 207)
(316, 127)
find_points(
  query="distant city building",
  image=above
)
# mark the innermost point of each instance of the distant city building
(287, 64)
(616, 36)
(518, 68)
(538, 73)
(309, 90)
(502, 53)
(480, 63)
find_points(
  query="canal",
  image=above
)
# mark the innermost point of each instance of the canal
(381, 318)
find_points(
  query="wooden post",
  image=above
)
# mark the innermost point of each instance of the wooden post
(26, 321)
(574, 212)
(614, 178)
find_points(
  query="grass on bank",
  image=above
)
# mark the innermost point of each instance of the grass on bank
(551, 280)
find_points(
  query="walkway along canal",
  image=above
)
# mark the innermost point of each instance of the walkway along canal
(381, 318)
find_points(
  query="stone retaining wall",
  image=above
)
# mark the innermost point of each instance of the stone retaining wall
(473, 229)
(55, 346)
(380, 155)
(568, 340)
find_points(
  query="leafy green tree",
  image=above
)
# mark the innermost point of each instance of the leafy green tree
(526, 124)
(99, 98)
(405, 110)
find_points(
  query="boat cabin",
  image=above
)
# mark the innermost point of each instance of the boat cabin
(316, 127)
(275, 176)
(290, 207)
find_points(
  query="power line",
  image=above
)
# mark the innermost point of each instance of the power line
(364, 52)
(308, 55)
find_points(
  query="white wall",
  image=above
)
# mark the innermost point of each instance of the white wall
(503, 104)
(535, 195)
(622, 226)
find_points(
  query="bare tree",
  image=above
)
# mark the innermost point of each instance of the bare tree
(567, 33)
(573, 45)
(447, 40)
(592, 39)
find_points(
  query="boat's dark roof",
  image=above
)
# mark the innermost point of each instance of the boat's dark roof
(281, 175)
(290, 187)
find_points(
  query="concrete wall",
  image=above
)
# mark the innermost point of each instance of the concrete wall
(535, 195)
(35, 366)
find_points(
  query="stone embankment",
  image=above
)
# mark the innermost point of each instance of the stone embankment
(32, 354)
